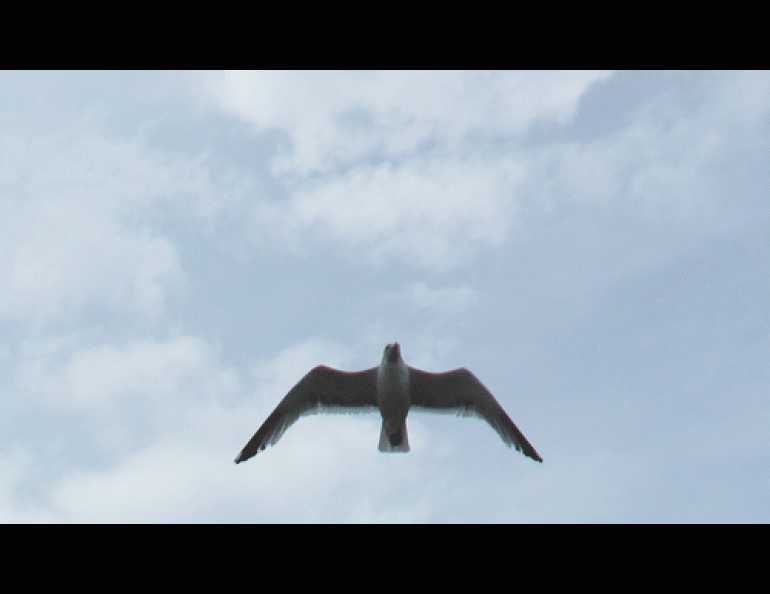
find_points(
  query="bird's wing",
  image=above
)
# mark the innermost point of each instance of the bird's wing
(323, 389)
(460, 391)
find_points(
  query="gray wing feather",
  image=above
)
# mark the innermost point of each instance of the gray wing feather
(323, 389)
(461, 392)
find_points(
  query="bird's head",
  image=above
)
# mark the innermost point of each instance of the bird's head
(392, 353)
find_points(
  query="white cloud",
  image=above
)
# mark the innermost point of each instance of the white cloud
(381, 196)
(14, 468)
(427, 215)
(664, 164)
(152, 369)
(159, 484)
(73, 227)
(67, 259)
(404, 108)
(164, 380)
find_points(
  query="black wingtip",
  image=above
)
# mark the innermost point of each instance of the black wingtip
(534, 455)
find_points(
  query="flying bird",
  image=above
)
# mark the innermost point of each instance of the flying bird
(394, 388)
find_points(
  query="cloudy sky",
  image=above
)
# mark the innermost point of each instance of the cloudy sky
(178, 249)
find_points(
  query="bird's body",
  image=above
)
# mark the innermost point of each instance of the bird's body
(393, 401)
(394, 388)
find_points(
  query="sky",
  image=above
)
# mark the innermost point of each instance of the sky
(177, 249)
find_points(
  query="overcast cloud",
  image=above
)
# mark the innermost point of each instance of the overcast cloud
(178, 249)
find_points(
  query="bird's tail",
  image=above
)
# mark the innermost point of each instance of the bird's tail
(394, 440)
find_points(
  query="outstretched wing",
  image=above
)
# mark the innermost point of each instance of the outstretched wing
(323, 389)
(460, 391)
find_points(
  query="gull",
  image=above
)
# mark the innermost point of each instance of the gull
(394, 388)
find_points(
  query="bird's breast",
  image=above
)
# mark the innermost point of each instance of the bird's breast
(393, 390)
